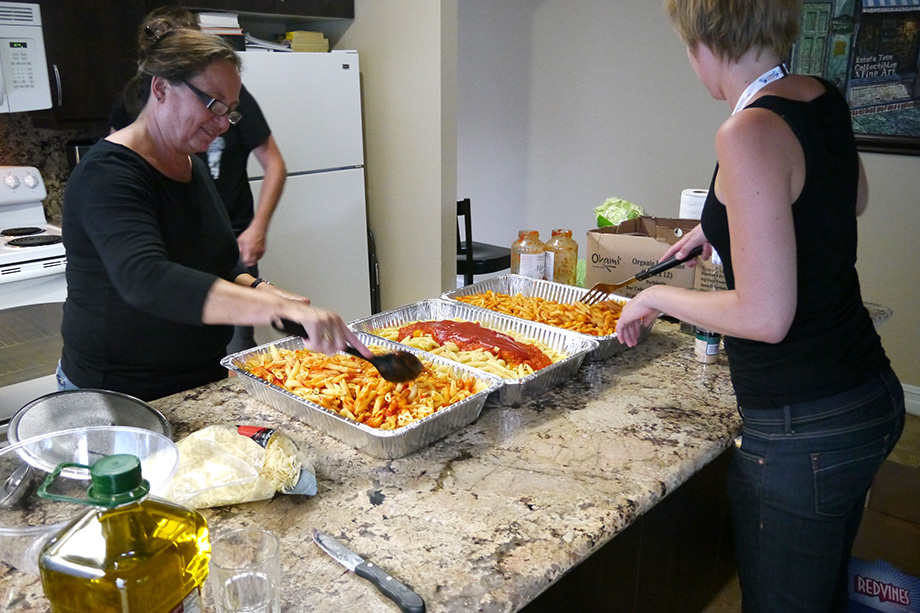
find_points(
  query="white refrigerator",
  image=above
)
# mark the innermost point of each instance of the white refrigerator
(318, 240)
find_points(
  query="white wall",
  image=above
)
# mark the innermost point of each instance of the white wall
(563, 104)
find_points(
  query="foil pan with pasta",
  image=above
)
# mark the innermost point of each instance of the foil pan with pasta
(567, 348)
(566, 295)
(376, 441)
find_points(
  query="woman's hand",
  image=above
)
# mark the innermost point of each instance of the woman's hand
(682, 247)
(283, 293)
(326, 331)
(635, 316)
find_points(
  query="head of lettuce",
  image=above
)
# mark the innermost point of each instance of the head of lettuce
(615, 211)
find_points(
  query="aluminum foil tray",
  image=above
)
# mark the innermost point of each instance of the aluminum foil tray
(513, 391)
(512, 284)
(380, 443)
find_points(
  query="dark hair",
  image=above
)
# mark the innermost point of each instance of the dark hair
(165, 18)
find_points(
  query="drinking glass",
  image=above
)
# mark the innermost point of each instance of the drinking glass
(245, 572)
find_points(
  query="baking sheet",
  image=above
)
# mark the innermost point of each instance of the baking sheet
(512, 284)
(379, 443)
(513, 391)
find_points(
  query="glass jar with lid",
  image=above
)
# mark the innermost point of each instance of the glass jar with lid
(528, 255)
(561, 257)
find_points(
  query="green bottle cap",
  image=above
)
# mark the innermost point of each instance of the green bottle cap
(116, 479)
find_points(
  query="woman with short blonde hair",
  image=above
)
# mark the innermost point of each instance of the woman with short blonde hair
(821, 407)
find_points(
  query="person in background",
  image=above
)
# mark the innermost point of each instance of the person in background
(227, 157)
(155, 281)
(821, 407)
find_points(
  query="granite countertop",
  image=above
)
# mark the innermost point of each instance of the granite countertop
(486, 518)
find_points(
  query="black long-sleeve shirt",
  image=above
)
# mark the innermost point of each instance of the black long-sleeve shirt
(143, 251)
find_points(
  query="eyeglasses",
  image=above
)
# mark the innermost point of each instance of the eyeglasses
(216, 106)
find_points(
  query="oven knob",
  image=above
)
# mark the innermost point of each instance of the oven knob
(31, 181)
(12, 181)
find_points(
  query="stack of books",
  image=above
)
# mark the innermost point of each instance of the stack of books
(302, 40)
(259, 44)
(225, 25)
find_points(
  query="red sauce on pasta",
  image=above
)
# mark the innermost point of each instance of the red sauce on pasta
(470, 335)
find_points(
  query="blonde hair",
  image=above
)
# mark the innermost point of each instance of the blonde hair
(731, 28)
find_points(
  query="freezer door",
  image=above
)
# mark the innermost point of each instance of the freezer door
(312, 102)
(317, 242)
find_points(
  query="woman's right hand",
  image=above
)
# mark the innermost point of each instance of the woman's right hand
(326, 331)
(692, 239)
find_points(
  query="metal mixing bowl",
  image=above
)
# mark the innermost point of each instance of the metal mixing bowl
(86, 407)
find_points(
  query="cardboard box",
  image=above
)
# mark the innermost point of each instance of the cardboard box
(708, 276)
(878, 586)
(889, 535)
(890, 529)
(616, 253)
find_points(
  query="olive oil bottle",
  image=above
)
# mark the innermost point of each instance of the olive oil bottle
(129, 553)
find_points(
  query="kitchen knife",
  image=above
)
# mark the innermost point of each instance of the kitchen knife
(408, 601)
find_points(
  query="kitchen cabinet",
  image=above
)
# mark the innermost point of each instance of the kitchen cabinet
(90, 48)
(325, 9)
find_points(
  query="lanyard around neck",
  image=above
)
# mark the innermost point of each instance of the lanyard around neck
(774, 74)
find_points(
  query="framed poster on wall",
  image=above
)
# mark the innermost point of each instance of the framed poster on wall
(870, 49)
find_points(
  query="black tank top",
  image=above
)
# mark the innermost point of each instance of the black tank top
(832, 345)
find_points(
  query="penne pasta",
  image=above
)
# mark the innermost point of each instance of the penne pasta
(354, 389)
(598, 319)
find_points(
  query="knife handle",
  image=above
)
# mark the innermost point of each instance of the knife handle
(408, 601)
(668, 264)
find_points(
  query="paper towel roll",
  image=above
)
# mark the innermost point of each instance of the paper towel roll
(691, 203)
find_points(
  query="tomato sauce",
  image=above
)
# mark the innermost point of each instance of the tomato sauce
(470, 335)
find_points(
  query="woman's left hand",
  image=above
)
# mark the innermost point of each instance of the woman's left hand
(634, 317)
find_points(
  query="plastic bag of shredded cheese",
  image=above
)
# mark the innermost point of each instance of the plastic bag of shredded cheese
(229, 464)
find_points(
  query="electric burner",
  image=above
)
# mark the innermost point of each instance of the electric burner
(24, 231)
(34, 241)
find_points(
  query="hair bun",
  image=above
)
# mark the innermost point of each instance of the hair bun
(155, 32)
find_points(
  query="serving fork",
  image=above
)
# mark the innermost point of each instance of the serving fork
(602, 291)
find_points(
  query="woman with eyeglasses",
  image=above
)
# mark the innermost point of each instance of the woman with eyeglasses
(155, 283)
(227, 158)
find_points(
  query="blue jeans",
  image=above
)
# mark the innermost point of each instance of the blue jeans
(797, 486)
(63, 382)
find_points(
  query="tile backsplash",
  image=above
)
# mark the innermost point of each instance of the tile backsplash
(21, 144)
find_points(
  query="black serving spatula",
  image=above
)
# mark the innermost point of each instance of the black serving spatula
(397, 367)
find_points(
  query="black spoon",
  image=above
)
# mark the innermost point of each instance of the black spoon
(398, 367)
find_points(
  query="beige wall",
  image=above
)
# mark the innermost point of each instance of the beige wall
(889, 255)
(408, 55)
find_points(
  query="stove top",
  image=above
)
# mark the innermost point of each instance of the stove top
(25, 234)
(18, 249)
